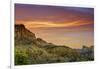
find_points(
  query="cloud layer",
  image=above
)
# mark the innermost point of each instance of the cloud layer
(72, 26)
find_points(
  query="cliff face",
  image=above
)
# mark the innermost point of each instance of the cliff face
(22, 32)
(24, 36)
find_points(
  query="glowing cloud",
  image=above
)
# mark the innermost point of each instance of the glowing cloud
(38, 24)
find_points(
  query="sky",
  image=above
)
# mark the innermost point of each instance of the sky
(61, 25)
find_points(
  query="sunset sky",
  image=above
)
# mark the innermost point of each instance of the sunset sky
(70, 26)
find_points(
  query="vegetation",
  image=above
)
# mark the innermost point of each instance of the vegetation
(25, 55)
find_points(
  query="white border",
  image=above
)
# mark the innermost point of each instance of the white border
(75, 3)
(12, 35)
(72, 3)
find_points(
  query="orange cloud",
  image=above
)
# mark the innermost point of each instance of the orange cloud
(39, 24)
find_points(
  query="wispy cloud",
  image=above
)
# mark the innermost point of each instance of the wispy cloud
(43, 24)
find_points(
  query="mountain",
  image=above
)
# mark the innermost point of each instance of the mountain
(32, 50)
(25, 37)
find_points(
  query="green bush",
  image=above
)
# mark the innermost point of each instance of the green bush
(20, 56)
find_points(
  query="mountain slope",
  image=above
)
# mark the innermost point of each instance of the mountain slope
(32, 50)
(24, 36)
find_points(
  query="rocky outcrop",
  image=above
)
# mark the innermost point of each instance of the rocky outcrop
(24, 36)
